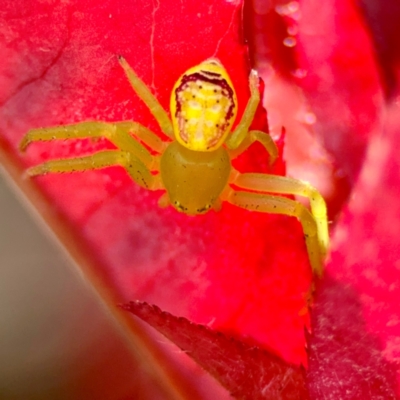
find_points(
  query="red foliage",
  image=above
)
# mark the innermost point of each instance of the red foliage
(356, 318)
(241, 273)
(340, 80)
(248, 372)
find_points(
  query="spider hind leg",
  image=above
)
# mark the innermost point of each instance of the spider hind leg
(135, 168)
(284, 185)
(118, 133)
(281, 205)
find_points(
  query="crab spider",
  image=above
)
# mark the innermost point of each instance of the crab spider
(194, 165)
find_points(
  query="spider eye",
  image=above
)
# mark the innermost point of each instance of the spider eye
(204, 209)
(203, 106)
(180, 207)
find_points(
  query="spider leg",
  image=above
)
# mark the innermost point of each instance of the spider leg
(257, 136)
(281, 205)
(242, 129)
(117, 133)
(135, 168)
(284, 185)
(148, 98)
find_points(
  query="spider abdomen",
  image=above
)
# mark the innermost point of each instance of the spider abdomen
(194, 180)
(203, 106)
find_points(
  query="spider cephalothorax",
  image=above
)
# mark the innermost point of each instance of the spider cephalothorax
(194, 165)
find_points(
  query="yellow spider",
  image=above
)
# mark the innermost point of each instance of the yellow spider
(194, 165)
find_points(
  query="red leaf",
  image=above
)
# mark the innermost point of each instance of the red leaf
(340, 77)
(347, 360)
(354, 349)
(248, 372)
(246, 273)
(325, 50)
(267, 27)
(354, 342)
(382, 20)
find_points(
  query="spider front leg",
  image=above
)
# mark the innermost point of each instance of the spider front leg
(256, 136)
(241, 138)
(148, 98)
